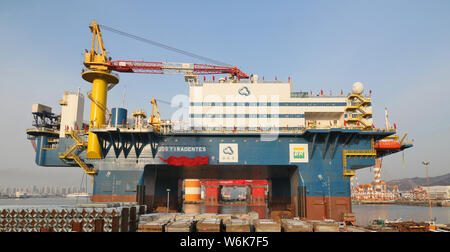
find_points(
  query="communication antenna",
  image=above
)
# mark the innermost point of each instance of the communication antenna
(124, 94)
(386, 118)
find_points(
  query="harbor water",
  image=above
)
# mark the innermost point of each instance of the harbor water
(364, 213)
(43, 202)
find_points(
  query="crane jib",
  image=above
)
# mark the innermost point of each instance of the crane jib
(171, 67)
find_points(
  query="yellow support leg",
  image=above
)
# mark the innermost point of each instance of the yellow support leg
(100, 80)
(97, 118)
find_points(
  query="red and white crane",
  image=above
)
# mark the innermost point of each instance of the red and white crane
(189, 70)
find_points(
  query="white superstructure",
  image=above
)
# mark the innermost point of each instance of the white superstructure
(72, 106)
(255, 104)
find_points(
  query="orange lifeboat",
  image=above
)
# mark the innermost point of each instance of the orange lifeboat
(387, 145)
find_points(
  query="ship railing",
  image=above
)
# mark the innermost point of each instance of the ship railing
(130, 126)
(230, 131)
(370, 129)
(240, 130)
(78, 132)
(43, 130)
(228, 81)
(265, 130)
(308, 95)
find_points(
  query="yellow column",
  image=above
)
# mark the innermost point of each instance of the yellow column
(97, 118)
(100, 80)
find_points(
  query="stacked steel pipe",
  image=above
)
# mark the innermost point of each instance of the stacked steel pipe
(119, 219)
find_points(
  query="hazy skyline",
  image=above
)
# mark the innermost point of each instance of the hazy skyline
(400, 50)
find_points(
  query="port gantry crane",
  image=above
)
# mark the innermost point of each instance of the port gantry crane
(99, 67)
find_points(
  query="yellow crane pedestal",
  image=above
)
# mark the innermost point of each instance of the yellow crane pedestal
(100, 81)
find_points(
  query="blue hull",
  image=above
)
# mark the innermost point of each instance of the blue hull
(137, 159)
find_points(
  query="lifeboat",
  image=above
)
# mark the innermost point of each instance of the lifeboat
(387, 145)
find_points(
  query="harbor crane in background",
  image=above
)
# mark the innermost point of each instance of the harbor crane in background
(99, 67)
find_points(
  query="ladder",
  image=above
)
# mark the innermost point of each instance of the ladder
(372, 153)
(70, 155)
(359, 106)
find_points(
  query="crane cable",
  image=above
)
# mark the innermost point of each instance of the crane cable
(161, 45)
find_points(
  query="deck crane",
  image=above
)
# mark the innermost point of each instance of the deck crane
(99, 69)
(154, 119)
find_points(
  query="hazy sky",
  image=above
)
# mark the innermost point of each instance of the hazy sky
(399, 49)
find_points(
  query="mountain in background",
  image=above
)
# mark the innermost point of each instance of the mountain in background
(406, 183)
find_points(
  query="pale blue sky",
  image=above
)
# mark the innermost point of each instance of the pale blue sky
(399, 49)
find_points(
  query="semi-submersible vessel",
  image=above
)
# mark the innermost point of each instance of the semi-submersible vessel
(307, 146)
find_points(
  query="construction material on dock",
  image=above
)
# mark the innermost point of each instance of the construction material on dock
(181, 225)
(356, 229)
(131, 218)
(237, 225)
(290, 225)
(209, 225)
(408, 226)
(224, 217)
(323, 226)
(76, 219)
(210, 222)
(182, 217)
(207, 216)
(250, 216)
(154, 226)
(155, 216)
(267, 225)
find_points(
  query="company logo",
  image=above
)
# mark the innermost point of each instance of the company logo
(228, 153)
(228, 150)
(298, 153)
(244, 91)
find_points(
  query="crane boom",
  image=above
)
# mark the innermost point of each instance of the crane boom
(148, 67)
(96, 59)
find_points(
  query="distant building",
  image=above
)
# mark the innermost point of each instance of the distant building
(438, 192)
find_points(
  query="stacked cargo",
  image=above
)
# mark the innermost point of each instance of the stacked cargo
(156, 222)
(118, 219)
(181, 225)
(408, 226)
(237, 225)
(209, 225)
(155, 216)
(267, 225)
(356, 229)
(180, 217)
(224, 217)
(250, 216)
(203, 216)
(290, 225)
(211, 222)
(158, 225)
(324, 226)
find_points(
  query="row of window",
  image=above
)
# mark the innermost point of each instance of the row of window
(294, 104)
(248, 128)
(247, 115)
